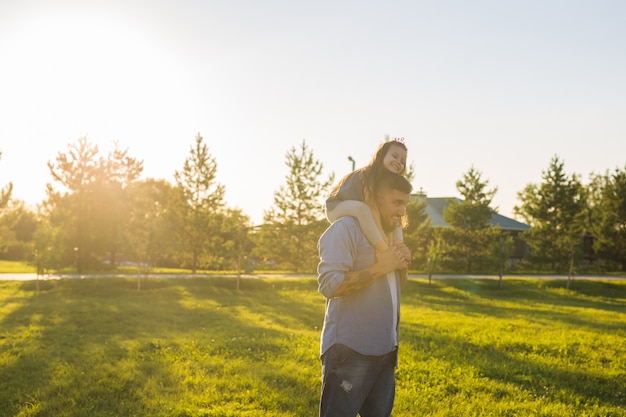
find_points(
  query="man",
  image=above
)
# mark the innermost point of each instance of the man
(359, 341)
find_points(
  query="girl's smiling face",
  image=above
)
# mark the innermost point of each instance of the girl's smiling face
(395, 160)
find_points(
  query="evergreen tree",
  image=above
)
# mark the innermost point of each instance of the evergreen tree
(201, 198)
(469, 239)
(418, 232)
(435, 252)
(608, 221)
(295, 222)
(556, 213)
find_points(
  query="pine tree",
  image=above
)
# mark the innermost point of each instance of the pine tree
(469, 239)
(201, 197)
(556, 213)
(295, 222)
(608, 199)
(418, 232)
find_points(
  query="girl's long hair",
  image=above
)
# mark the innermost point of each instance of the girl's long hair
(375, 168)
(371, 171)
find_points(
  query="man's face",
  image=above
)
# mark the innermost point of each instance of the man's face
(391, 206)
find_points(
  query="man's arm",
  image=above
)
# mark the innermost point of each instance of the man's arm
(353, 281)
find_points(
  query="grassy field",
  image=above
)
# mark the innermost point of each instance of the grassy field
(198, 347)
(16, 267)
(21, 267)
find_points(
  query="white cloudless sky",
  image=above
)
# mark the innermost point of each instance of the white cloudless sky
(501, 85)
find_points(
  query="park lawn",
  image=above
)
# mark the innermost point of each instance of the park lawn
(199, 347)
(16, 267)
(24, 267)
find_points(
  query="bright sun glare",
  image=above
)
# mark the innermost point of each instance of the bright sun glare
(90, 65)
(75, 73)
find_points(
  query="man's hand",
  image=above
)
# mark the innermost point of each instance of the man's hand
(403, 253)
(396, 257)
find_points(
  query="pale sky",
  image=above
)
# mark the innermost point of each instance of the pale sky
(500, 85)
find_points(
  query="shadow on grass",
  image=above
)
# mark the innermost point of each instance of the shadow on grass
(178, 347)
(543, 300)
(198, 347)
(540, 368)
(512, 368)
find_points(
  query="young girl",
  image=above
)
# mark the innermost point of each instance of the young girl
(353, 195)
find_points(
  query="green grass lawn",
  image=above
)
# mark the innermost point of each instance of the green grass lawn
(198, 347)
(22, 267)
(16, 267)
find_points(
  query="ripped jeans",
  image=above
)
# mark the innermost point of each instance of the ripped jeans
(353, 383)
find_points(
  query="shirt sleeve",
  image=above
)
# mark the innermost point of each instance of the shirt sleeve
(337, 250)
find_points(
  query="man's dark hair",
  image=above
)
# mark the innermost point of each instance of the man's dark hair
(391, 181)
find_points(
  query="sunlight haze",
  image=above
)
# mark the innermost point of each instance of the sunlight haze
(499, 85)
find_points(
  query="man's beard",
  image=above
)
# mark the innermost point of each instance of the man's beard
(390, 226)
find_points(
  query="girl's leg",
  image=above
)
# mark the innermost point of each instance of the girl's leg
(367, 220)
(398, 237)
(397, 234)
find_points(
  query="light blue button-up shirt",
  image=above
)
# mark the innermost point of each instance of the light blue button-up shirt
(364, 320)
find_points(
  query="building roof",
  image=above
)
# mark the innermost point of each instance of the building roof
(435, 207)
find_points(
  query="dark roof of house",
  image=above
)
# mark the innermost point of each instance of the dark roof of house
(435, 207)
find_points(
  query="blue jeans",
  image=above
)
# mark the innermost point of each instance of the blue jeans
(353, 383)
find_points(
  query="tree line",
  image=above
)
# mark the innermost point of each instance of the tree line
(99, 214)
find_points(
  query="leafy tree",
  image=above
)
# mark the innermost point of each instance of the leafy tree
(201, 197)
(468, 241)
(111, 199)
(295, 222)
(68, 209)
(435, 252)
(48, 242)
(608, 221)
(17, 231)
(89, 208)
(236, 245)
(556, 213)
(149, 227)
(5, 193)
(5, 197)
(418, 232)
(502, 248)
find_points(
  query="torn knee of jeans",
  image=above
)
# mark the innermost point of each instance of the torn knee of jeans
(346, 386)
